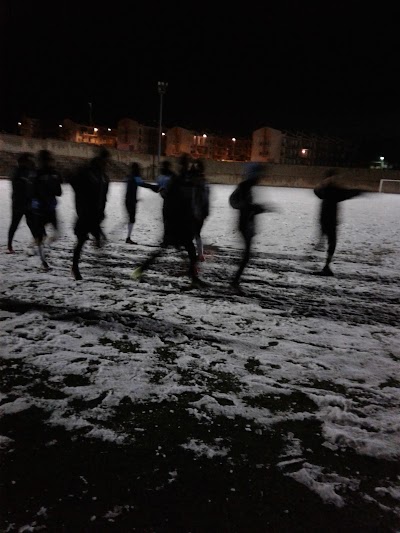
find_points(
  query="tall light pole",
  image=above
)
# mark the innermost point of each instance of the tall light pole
(90, 113)
(162, 87)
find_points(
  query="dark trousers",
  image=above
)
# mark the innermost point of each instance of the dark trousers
(83, 228)
(190, 249)
(245, 259)
(16, 218)
(331, 235)
(39, 221)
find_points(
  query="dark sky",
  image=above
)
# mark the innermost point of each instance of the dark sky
(319, 67)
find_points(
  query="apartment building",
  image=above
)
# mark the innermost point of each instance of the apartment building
(82, 133)
(266, 145)
(206, 145)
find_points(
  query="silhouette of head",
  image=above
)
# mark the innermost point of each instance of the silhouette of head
(104, 153)
(25, 160)
(330, 172)
(165, 167)
(198, 167)
(99, 162)
(254, 172)
(330, 176)
(184, 162)
(135, 169)
(45, 158)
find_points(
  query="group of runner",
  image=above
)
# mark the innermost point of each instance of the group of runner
(186, 205)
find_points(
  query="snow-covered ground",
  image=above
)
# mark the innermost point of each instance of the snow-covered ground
(309, 365)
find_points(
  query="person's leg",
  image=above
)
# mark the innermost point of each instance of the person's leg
(39, 233)
(244, 261)
(199, 246)
(82, 230)
(130, 228)
(199, 241)
(320, 241)
(103, 236)
(42, 254)
(52, 219)
(15, 220)
(332, 239)
(94, 228)
(138, 272)
(150, 260)
(81, 239)
(191, 251)
(39, 242)
(132, 217)
(30, 222)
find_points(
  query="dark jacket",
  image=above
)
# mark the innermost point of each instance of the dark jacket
(179, 222)
(22, 188)
(46, 189)
(200, 199)
(132, 184)
(242, 199)
(331, 195)
(90, 185)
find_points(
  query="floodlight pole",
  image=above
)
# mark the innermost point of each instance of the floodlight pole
(90, 113)
(162, 87)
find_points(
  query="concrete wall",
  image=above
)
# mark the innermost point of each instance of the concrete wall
(69, 154)
(17, 144)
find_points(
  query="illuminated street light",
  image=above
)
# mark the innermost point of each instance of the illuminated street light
(162, 88)
(382, 159)
(95, 130)
(233, 147)
(60, 125)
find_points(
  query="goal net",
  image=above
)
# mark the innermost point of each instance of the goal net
(390, 186)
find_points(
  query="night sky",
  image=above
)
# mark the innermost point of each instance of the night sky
(318, 67)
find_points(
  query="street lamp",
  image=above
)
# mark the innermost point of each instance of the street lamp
(90, 113)
(382, 159)
(233, 148)
(162, 87)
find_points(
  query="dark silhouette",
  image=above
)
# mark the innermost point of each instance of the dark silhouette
(201, 203)
(166, 173)
(331, 194)
(242, 199)
(102, 161)
(46, 189)
(90, 184)
(21, 196)
(179, 224)
(133, 181)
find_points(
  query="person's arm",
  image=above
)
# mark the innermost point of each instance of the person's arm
(346, 194)
(153, 186)
(146, 185)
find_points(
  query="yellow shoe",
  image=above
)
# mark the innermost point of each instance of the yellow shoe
(137, 273)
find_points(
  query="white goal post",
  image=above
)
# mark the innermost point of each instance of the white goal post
(389, 186)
